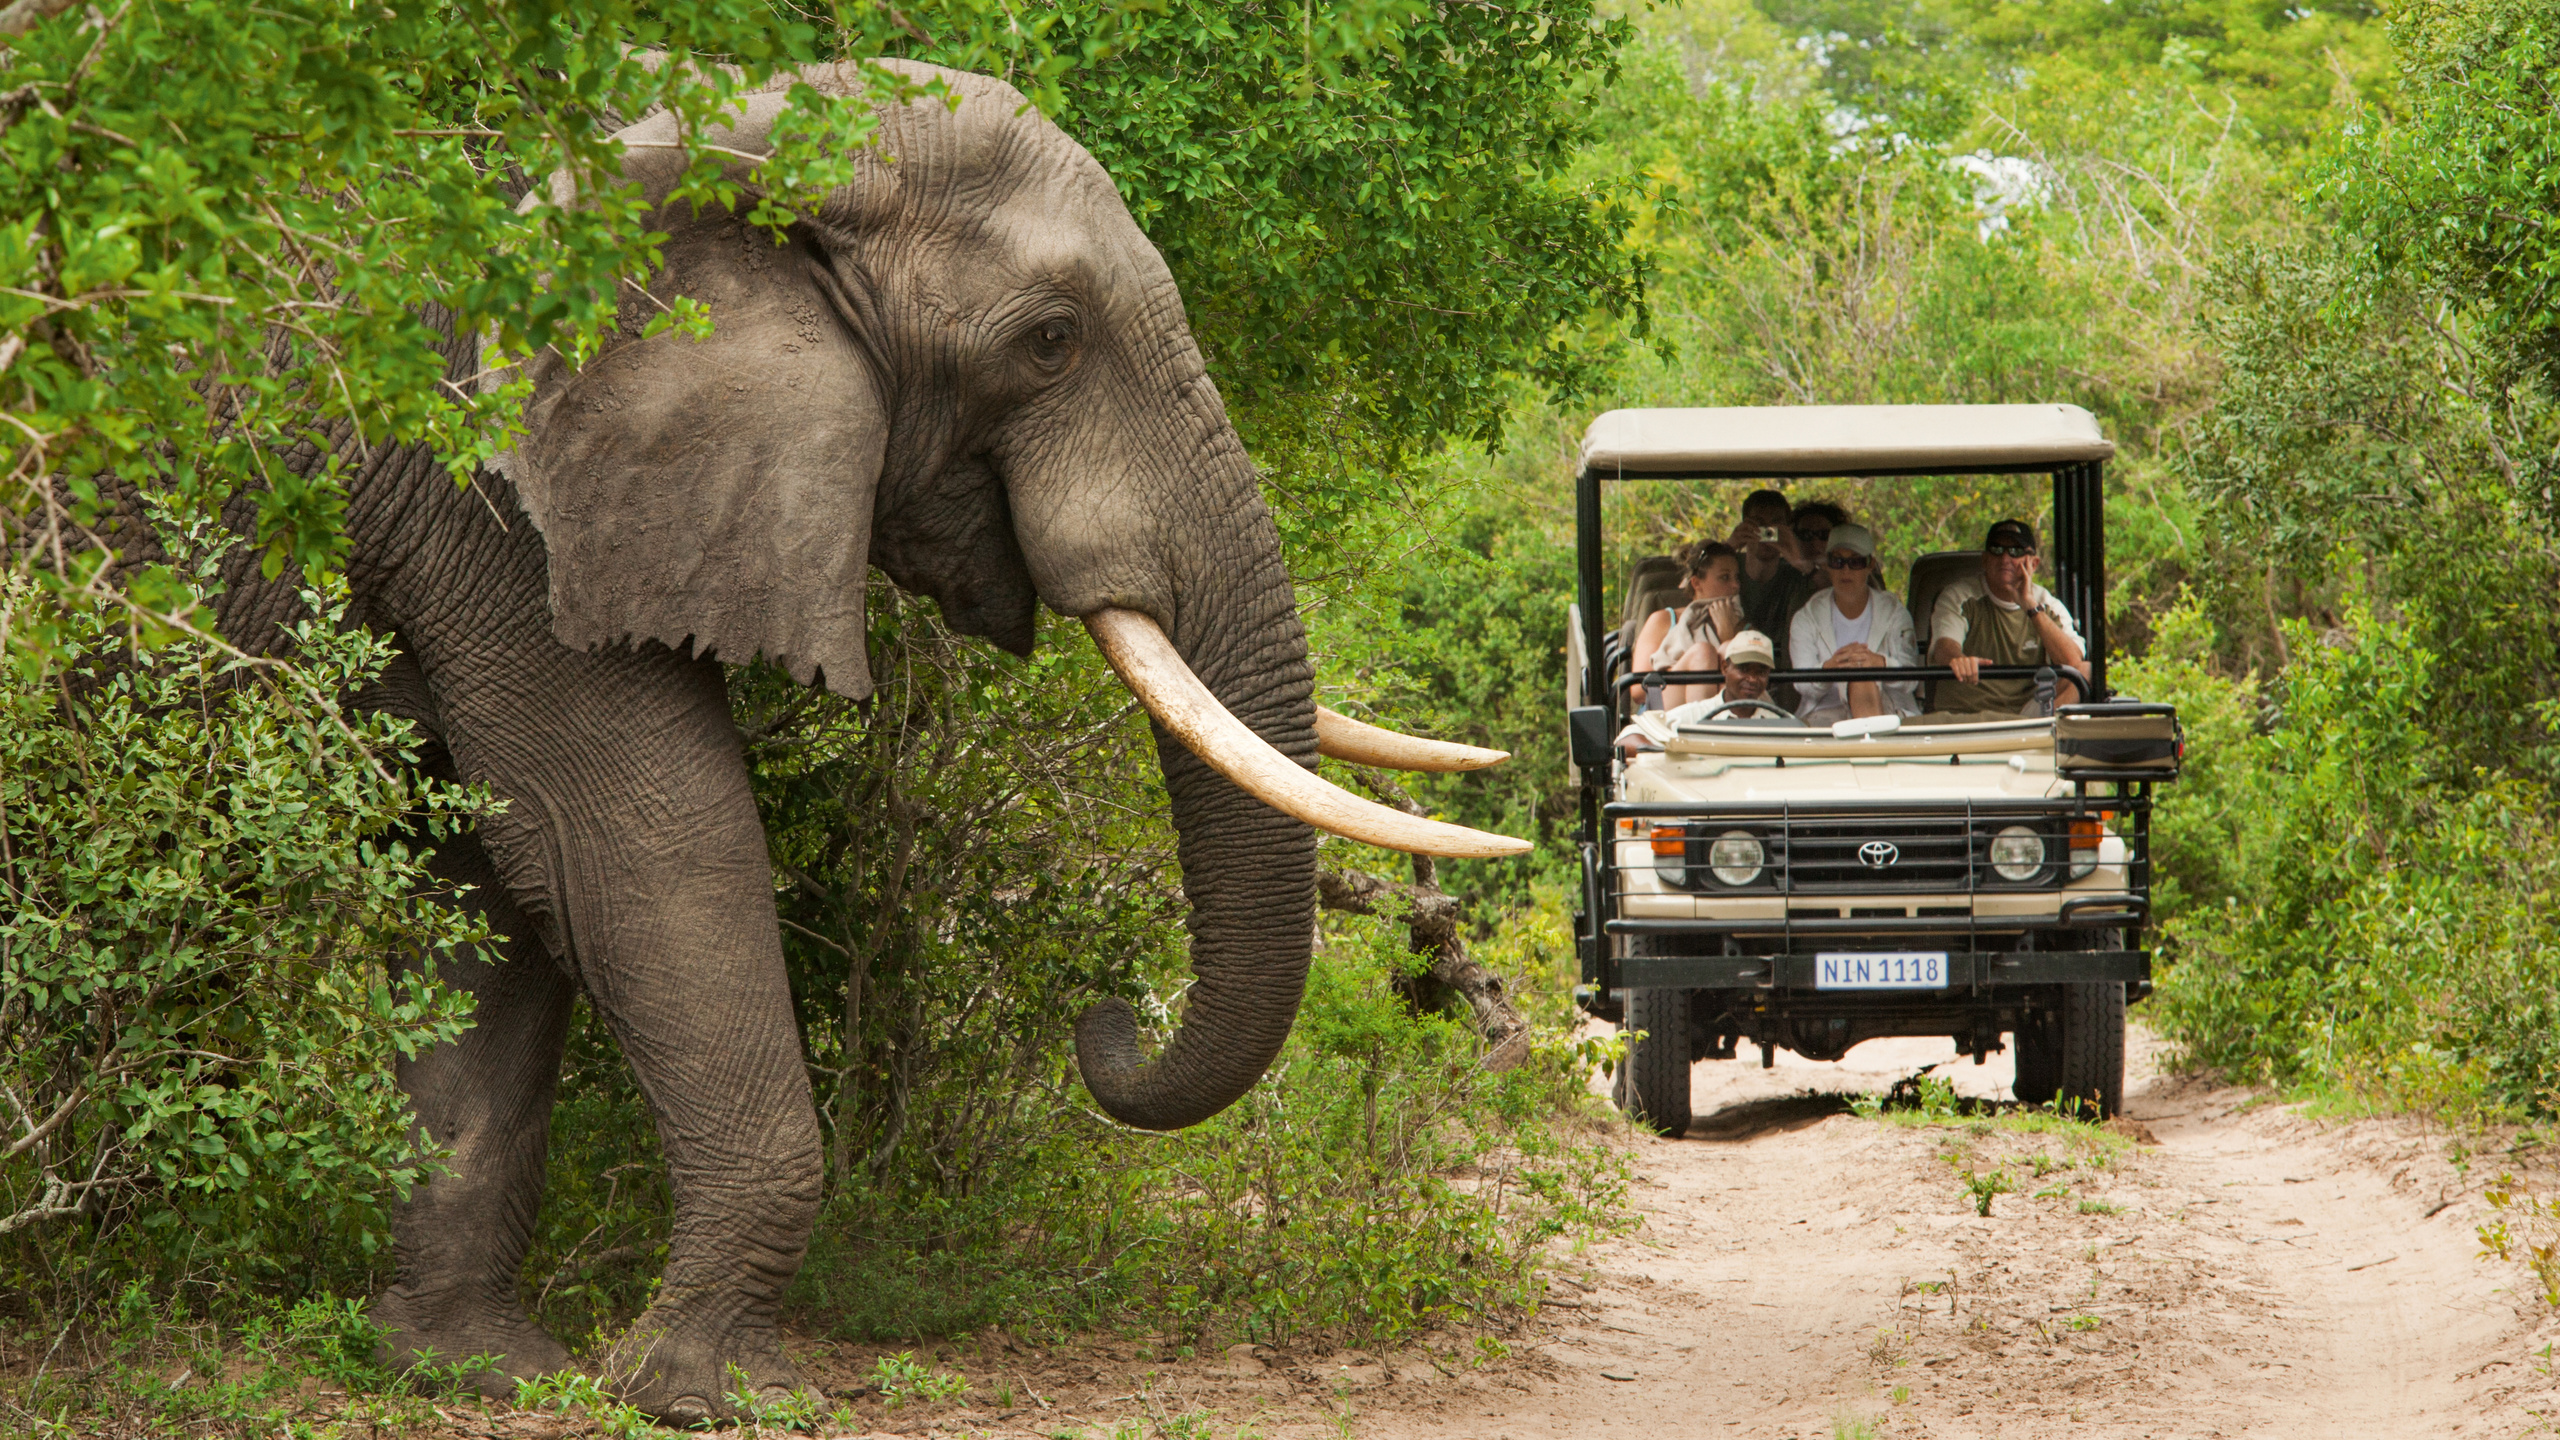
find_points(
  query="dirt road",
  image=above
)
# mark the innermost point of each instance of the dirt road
(2251, 1274)
(1803, 1272)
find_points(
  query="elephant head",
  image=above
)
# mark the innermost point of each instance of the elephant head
(970, 368)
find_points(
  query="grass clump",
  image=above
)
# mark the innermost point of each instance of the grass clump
(1926, 1101)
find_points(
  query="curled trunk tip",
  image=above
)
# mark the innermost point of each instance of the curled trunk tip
(1110, 1056)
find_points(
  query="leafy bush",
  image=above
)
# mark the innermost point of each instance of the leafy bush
(1378, 1183)
(2352, 916)
(212, 899)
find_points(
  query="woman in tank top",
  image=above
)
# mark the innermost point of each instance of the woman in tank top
(1689, 638)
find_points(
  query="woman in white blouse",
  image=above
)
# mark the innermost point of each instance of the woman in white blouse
(1852, 626)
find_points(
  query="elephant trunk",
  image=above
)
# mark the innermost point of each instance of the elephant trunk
(1248, 869)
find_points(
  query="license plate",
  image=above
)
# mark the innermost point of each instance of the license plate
(1881, 970)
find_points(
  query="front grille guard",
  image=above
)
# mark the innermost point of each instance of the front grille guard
(1816, 857)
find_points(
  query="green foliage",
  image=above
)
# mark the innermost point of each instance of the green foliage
(163, 1370)
(1378, 1183)
(2206, 827)
(1916, 67)
(231, 232)
(1390, 236)
(901, 1377)
(2355, 862)
(2458, 193)
(2375, 920)
(214, 900)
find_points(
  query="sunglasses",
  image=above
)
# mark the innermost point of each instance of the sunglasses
(2014, 552)
(1848, 562)
(1813, 537)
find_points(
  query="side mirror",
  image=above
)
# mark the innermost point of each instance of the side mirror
(1587, 727)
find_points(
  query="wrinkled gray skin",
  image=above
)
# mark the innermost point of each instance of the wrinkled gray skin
(971, 370)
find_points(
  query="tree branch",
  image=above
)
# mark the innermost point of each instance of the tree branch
(1432, 919)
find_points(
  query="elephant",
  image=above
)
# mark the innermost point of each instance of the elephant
(969, 368)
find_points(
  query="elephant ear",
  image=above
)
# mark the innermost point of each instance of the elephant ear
(712, 493)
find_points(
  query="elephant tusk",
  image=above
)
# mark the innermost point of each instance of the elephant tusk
(1148, 664)
(1340, 737)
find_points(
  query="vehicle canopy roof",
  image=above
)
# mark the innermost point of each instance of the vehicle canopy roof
(1775, 441)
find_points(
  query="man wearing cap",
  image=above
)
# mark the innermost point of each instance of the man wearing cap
(2000, 617)
(1748, 658)
(1851, 626)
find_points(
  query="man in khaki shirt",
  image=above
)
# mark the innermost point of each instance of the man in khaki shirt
(2001, 617)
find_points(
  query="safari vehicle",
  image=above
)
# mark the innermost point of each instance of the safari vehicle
(1752, 880)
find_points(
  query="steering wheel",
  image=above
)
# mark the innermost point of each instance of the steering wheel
(1755, 703)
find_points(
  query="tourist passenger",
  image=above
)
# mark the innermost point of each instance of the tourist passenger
(1853, 626)
(1775, 566)
(2000, 617)
(1671, 638)
(1747, 660)
(1813, 523)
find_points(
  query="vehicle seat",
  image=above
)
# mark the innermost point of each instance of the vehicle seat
(1654, 584)
(1929, 575)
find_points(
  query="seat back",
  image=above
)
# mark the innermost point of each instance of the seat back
(1929, 575)
(1653, 584)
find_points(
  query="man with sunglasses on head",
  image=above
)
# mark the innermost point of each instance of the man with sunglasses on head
(2000, 617)
(1813, 522)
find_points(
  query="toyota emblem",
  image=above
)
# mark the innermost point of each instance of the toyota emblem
(1878, 854)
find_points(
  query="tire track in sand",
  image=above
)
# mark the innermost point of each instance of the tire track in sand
(2253, 1273)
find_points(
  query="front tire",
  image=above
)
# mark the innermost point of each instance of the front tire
(1654, 1089)
(2076, 1057)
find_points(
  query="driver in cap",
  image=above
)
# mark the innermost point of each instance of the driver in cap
(1748, 659)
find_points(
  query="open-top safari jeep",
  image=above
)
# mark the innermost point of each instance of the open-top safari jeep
(1753, 880)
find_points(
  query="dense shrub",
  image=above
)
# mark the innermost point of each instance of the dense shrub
(1377, 1184)
(211, 893)
(2351, 914)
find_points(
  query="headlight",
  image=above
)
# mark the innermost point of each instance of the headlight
(1736, 858)
(2017, 854)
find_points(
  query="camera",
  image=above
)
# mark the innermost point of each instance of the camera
(1768, 534)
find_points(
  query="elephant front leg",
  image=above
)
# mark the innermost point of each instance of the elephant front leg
(461, 1237)
(694, 987)
(630, 838)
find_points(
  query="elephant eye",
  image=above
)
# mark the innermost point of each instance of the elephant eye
(1053, 340)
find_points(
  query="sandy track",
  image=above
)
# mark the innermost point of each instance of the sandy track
(2252, 1273)
(1800, 1270)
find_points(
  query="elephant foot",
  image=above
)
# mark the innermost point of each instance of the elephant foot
(686, 1364)
(424, 1328)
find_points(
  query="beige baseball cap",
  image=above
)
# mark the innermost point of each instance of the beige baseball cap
(1752, 646)
(1856, 539)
